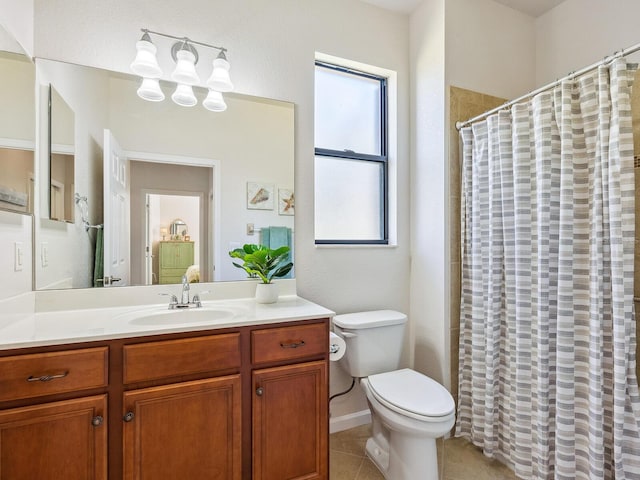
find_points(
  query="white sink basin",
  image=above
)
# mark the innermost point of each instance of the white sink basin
(165, 316)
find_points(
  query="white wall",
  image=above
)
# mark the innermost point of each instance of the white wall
(578, 33)
(17, 96)
(16, 16)
(429, 265)
(490, 48)
(15, 228)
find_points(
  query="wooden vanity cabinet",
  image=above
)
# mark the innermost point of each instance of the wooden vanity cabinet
(66, 439)
(187, 429)
(290, 403)
(47, 439)
(246, 403)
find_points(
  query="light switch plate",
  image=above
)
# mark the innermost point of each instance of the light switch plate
(18, 256)
(44, 254)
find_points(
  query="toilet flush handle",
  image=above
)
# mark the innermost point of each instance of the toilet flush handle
(346, 334)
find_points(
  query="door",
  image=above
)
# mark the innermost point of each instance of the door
(116, 213)
(290, 424)
(148, 241)
(187, 430)
(55, 440)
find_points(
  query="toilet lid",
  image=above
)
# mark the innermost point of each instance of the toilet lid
(409, 391)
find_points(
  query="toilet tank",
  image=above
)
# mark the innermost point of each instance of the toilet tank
(374, 341)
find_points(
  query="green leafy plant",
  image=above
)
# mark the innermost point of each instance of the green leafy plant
(262, 262)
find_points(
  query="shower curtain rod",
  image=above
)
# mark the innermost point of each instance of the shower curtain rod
(610, 58)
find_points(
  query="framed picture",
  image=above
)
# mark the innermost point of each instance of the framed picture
(259, 196)
(286, 201)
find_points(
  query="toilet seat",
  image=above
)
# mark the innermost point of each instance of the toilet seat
(412, 394)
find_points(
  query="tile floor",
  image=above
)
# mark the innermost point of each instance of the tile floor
(462, 461)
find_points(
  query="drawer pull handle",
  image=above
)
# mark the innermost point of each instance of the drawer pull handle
(259, 391)
(46, 378)
(292, 344)
(97, 421)
(128, 416)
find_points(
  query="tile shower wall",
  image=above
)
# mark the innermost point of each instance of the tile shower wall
(463, 104)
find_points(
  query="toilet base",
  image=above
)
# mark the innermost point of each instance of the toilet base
(377, 455)
(406, 459)
(401, 448)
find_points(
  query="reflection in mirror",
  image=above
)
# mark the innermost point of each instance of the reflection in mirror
(17, 132)
(61, 158)
(173, 163)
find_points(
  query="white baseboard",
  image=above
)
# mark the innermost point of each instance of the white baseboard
(350, 420)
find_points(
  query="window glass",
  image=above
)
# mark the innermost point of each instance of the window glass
(347, 112)
(348, 199)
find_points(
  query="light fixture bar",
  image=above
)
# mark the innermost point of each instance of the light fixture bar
(184, 39)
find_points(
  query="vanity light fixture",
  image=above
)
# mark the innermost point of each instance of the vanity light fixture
(184, 75)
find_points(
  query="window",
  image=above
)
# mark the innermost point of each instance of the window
(351, 176)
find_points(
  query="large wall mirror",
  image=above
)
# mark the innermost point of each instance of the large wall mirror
(17, 130)
(163, 190)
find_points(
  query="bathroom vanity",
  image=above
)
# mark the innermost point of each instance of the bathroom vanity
(244, 396)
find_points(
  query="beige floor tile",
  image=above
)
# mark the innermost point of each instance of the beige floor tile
(458, 459)
(343, 466)
(351, 441)
(368, 471)
(462, 461)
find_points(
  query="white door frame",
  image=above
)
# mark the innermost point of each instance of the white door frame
(214, 248)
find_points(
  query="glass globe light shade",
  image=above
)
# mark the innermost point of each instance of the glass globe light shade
(219, 79)
(214, 102)
(184, 96)
(150, 90)
(146, 64)
(185, 71)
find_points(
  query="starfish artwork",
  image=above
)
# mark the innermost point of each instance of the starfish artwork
(286, 201)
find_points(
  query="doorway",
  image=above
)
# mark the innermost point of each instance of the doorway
(171, 181)
(163, 211)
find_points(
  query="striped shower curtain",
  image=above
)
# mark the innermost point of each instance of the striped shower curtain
(547, 331)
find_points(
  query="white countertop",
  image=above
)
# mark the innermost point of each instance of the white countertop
(86, 325)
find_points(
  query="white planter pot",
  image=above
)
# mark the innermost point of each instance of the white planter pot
(266, 293)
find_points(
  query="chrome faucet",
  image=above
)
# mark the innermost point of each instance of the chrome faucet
(185, 302)
(184, 299)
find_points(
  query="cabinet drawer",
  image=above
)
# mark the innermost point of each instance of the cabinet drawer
(288, 343)
(171, 358)
(35, 375)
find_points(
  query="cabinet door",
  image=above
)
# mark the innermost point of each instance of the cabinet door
(175, 258)
(186, 430)
(52, 441)
(290, 422)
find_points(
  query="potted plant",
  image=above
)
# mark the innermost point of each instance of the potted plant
(260, 261)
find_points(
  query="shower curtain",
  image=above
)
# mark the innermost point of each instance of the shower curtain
(547, 332)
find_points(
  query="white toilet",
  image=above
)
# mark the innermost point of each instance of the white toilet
(408, 410)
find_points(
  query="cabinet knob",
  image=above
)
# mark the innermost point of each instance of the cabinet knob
(128, 416)
(259, 391)
(97, 421)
